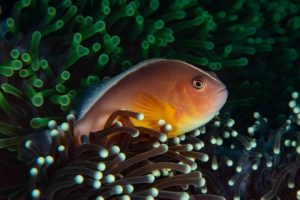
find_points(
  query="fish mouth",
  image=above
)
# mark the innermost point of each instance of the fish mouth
(222, 90)
(222, 95)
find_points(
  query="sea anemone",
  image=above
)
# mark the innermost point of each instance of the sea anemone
(136, 168)
(50, 49)
(145, 163)
(46, 45)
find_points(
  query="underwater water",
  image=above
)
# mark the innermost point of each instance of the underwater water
(52, 50)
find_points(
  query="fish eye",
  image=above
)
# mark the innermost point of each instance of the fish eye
(197, 83)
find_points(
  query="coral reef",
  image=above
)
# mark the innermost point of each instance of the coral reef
(51, 49)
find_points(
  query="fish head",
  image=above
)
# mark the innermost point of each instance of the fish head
(209, 90)
(202, 93)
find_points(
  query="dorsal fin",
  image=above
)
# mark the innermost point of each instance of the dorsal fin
(90, 95)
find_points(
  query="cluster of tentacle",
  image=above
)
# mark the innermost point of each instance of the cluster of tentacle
(128, 162)
(47, 44)
(259, 162)
(142, 165)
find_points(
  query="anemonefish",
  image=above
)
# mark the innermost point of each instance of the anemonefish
(174, 91)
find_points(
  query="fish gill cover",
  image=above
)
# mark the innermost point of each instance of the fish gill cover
(50, 49)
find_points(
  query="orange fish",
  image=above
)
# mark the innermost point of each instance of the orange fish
(169, 92)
